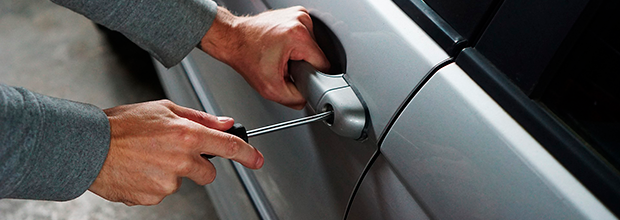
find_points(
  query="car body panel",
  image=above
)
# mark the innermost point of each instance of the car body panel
(448, 150)
(310, 171)
(383, 195)
(177, 86)
(228, 192)
(309, 162)
(386, 52)
(461, 156)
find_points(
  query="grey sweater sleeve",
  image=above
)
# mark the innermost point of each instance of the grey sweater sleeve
(50, 149)
(168, 29)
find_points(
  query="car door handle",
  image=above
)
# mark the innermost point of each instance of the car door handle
(331, 93)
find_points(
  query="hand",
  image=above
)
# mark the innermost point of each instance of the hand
(259, 48)
(154, 144)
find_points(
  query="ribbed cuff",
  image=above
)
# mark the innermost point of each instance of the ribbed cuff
(60, 147)
(175, 30)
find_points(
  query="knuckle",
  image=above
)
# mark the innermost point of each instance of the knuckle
(155, 202)
(298, 29)
(166, 102)
(184, 167)
(128, 201)
(299, 8)
(270, 92)
(206, 116)
(299, 33)
(167, 188)
(151, 200)
(186, 135)
(232, 147)
(209, 178)
(303, 16)
(200, 115)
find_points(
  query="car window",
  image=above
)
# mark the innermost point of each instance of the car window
(567, 60)
(527, 38)
(553, 66)
(585, 92)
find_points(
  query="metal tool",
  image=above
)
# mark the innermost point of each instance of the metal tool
(239, 130)
(289, 124)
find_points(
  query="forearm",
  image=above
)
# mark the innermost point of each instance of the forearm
(169, 30)
(51, 149)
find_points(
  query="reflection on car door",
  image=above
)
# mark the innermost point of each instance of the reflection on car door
(517, 127)
(309, 171)
(459, 155)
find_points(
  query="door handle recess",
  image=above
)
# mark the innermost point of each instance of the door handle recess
(331, 92)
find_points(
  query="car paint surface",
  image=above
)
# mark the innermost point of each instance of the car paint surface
(309, 171)
(387, 54)
(312, 162)
(461, 156)
(453, 153)
(227, 193)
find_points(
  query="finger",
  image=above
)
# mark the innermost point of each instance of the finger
(203, 118)
(203, 172)
(310, 52)
(285, 93)
(306, 20)
(296, 100)
(299, 8)
(229, 146)
(280, 89)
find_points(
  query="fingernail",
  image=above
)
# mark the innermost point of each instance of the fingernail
(259, 161)
(224, 118)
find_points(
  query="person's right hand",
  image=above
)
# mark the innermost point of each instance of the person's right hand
(154, 144)
(259, 47)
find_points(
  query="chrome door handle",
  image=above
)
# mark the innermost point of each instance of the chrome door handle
(331, 92)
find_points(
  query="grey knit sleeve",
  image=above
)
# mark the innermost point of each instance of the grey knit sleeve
(168, 29)
(50, 149)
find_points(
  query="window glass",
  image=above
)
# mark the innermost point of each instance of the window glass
(525, 36)
(466, 17)
(585, 92)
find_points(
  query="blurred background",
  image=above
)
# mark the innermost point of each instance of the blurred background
(53, 51)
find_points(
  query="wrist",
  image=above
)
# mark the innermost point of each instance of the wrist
(222, 39)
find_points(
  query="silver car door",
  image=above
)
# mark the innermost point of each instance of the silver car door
(310, 171)
(454, 153)
(522, 125)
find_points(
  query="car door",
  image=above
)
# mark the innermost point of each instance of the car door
(310, 171)
(518, 127)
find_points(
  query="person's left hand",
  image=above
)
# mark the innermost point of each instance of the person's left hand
(154, 144)
(259, 48)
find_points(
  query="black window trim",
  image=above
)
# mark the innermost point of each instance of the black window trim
(435, 26)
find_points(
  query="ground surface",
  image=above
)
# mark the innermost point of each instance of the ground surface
(51, 50)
